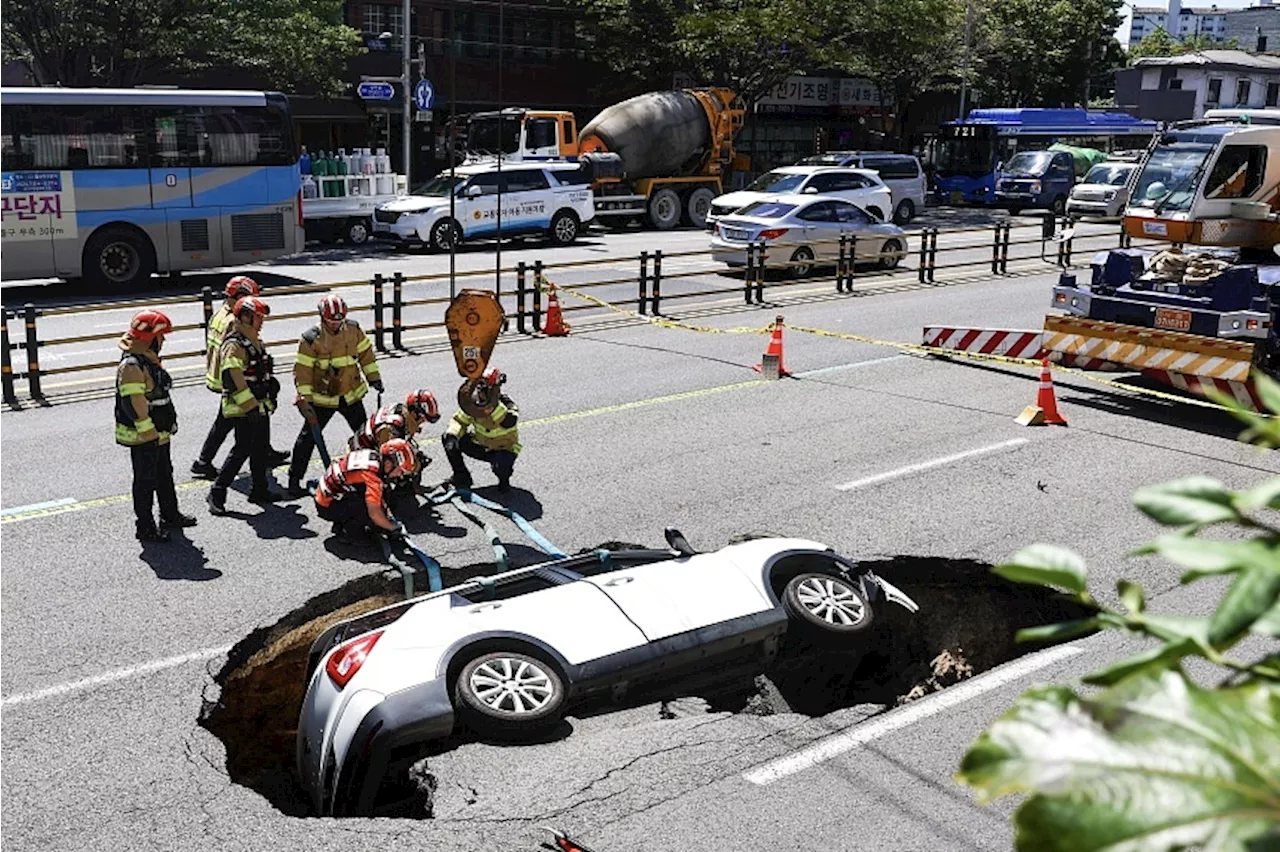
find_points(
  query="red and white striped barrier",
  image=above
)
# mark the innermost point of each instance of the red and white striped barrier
(1243, 392)
(1007, 343)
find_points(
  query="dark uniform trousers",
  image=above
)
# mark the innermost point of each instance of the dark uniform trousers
(305, 444)
(152, 480)
(253, 439)
(502, 462)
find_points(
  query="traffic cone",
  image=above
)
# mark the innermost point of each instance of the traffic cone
(555, 325)
(1045, 411)
(771, 364)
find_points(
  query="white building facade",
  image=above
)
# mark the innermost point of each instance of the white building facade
(1219, 78)
(1177, 21)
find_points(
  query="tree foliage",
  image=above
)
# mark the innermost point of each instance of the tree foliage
(1154, 761)
(289, 43)
(1160, 43)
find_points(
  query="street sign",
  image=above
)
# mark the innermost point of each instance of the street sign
(376, 91)
(424, 96)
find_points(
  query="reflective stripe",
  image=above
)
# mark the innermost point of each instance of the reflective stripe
(324, 400)
(144, 425)
(363, 345)
(499, 414)
(233, 362)
(241, 397)
(304, 360)
(356, 394)
(372, 369)
(130, 437)
(338, 361)
(304, 390)
(133, 388)
(163, 400)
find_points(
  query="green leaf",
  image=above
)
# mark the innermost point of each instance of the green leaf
(1046, 565)
(1265, 495)
(1251, 595)
(1059, 632)
(1131, 596)
(1156, 659)
(1269, 623)
(1174, 628)
(1195, 500)
(1153, 764)
(1206, 556)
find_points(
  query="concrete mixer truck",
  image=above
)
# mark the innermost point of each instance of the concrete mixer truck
(659, 157)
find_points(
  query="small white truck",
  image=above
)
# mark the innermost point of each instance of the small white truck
(347, 217)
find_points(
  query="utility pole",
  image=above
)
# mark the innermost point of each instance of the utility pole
(407, 86)
(964, 74)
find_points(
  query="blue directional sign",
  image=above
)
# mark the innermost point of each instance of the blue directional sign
(376, 91)
(424, 95)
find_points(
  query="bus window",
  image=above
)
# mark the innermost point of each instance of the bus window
(1237, 173)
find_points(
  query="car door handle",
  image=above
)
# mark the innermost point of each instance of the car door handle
(619, 581)
(478, 609)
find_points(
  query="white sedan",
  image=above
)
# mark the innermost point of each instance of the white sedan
(510, 653)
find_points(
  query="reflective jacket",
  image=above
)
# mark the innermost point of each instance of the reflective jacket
(328, 369)
(495, 431)
(218, 324)
(144, 412)
(247, 383)
(390, 421)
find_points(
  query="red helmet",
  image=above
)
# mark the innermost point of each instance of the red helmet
(423, 405)
(400, 454)
(493, 377)
(251, 303)
(148, 325)
(241, 285)
(332, 308)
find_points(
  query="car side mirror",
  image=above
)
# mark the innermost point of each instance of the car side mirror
(810, 190)
(678, 542)
(474, 192)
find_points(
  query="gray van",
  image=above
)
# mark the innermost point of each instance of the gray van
(900, 172)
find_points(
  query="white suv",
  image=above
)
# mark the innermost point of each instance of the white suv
(900, 172)
(857, 186)
(550, 198)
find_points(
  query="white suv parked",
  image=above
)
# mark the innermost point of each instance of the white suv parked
(857, 186)
(900, 172)
(550, 198)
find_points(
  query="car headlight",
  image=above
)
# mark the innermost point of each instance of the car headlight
(1035, 186)
(1109, 195)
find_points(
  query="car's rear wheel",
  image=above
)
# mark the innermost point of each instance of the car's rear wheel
(905, 213)
(506, 692)
(826, 606)
(890, 254)
(564, 228)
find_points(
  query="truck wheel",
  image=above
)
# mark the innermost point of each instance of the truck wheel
(443, 235)
(118, 257)
(564, 228)
(664, 209)
(357, 232)
(1059, 205)
(697, 206)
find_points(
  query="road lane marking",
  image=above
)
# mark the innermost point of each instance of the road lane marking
(928, 465)
(39, 507)
(113, 676)
(951, 697)
(851, 366)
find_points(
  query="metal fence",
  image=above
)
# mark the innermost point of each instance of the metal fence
(394, 312)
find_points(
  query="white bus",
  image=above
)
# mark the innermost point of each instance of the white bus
(112, 185)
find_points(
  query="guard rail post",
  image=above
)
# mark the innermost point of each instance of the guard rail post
(924, 254)
(933, 252)
(1125, 240)
(749, 276)
(1062, 249)
(6, 365)
(995, 250)
(655, 297)
(378, 331)
(397, 309)
(1004, 248)
(642, 298)
(521, 283)
(1071, 236)
(206, 300)
(851, 264)
(33, 352)
(840, 263)
(761, 258)
(537, 295)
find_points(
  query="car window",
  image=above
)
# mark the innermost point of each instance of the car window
(893, 168)
(839, 182)
(488, 183)
(574, 177)
(766, 209)
(776, 182)
(1238, 172)
(526, 180)
(823, 211)
(1108, 173)
(849, 214)
(540, 133)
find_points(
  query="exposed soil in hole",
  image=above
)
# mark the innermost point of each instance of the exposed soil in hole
(966, 625)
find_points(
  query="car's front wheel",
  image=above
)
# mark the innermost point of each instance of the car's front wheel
(826, 606)
(506, 692)
(444, 234)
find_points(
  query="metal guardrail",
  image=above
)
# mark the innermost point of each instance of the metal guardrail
(528, 311)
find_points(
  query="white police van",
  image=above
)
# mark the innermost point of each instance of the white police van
(548, 198)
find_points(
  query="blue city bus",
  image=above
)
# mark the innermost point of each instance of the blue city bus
(969, 152)
(112, 185)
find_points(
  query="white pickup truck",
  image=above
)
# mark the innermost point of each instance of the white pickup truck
(348, 217)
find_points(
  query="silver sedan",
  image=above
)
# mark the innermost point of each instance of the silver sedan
(801, 232)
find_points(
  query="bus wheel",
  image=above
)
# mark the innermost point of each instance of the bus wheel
(118, 257)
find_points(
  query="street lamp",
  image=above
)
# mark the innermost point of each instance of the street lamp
(405, 86)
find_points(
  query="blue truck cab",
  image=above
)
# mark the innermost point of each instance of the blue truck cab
(1036, 180)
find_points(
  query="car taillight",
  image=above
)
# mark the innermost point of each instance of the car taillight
(347, 659)
(1251, 325)
(772, 233)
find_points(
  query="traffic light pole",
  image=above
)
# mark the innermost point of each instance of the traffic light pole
(407, 86)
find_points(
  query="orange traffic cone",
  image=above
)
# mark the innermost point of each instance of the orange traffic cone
(1045, 411)
(771, 364)
(555, 325)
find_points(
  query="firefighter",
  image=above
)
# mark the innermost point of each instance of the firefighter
(249, 393)
(351, 494)
(334, 360)
(203, 467)
(492, 437)
(145, 420)
(402, 420)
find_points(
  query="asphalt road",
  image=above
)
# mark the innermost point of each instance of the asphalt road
(964, 252)
(108, 647)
